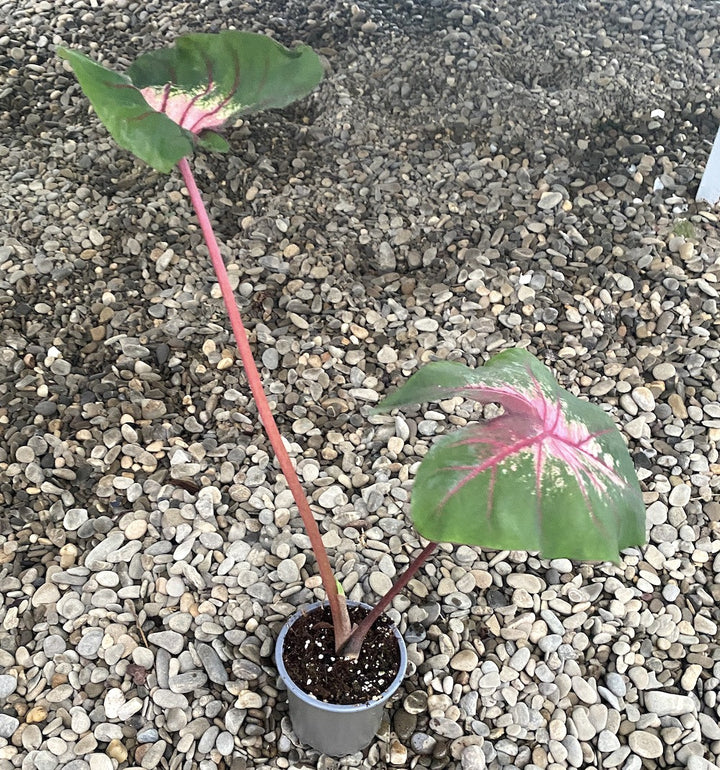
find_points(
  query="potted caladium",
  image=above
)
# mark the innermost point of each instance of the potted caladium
(550, 474)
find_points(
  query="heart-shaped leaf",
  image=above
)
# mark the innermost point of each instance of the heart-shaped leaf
(173, 97)
(551, 474)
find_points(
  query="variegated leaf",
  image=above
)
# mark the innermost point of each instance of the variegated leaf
(174, 97)
(551, 474)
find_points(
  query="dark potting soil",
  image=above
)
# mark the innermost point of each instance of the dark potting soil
(310, 660)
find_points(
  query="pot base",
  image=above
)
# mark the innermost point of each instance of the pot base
(336, 729)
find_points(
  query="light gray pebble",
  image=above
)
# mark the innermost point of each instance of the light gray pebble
(153, 755)
(473, 758)
(288, 571)
(234, 717)
(142, 656)
(205, 506)
(607, 742)
(680, 495)
(457, 601)
(668, 704)
(98, 761)
(670, 592)
(585, 729)
(162, 668)
(107, 578)
(189, 681)
(261, 591)
(520, 658)
(664, 371)
(175, 586)
(695, 762)
(8, 725)
(75, 518)
(24, 454)
(212, 664)
(208, 738)
(97, 558)
(70, 606)
(225, 743)
(555, 626)
(645, 744)
(608, 696)
(616, 684)
(107, 731)
(709, 727)
(574, 750)
(550, 643)
(380, 583)
(44, 760)
(549, 199)
(168, 640)
(114, 700)
(8, 685)
(624, 282)
(79, 720)
(544, 673)
(54, 645)
(530, 583)
(167, 699)
(270, 358)
(147, 735)
(179, 622)
(332, 497)
(175, 719)
(490, 681)
(211, 540)
(89, 643)
(422, 743)
(447, 728)
(245, 669)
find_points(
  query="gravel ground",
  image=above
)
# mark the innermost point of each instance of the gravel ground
(469, 176)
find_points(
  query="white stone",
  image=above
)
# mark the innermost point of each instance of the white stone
(645, 744)
(99, 761)
(8, 685)
(8, 725)
(530, 583)
(548, 200)
(586, 691)
(168, 640)
(680, 495)
(666, 704)
(247, 699)
(114, 700)
(332, 497)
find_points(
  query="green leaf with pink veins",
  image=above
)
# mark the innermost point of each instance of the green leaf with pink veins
(177, 97)
(551, 474)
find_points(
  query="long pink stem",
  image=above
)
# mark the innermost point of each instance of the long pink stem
(341, 621)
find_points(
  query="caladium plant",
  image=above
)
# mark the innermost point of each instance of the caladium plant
(177, 98)
(551, 474)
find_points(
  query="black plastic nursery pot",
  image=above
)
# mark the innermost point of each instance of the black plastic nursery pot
(336, 729)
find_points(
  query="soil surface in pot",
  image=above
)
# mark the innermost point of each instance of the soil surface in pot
(310, 660)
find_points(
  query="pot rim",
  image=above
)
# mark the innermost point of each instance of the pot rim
(337, 707)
